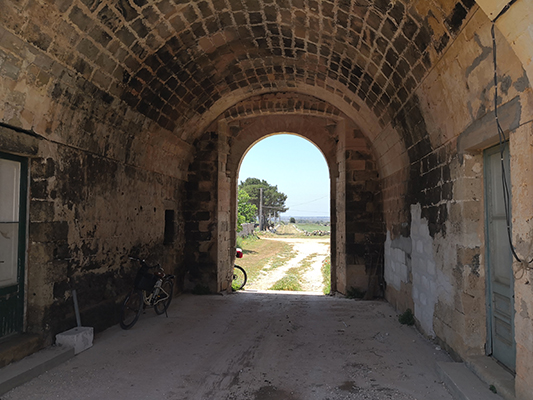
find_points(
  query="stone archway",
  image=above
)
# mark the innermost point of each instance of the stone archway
(325, 133)
(356, 205)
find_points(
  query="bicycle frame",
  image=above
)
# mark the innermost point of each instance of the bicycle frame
(149, 290)
(149, 299)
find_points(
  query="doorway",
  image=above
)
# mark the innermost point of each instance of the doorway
(500, 283)
(286, 179)
(13, 189)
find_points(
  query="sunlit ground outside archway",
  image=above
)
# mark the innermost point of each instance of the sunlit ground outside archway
(293, 252)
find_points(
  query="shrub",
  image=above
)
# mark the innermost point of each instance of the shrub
(407, 318)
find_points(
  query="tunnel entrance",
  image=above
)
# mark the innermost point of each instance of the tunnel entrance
(286, 179)
(356, 209)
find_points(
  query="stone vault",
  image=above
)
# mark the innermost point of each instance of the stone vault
(127, 121)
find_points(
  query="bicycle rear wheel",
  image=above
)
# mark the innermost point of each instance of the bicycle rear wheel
(239, 278)
(164, 297)
(131, 309)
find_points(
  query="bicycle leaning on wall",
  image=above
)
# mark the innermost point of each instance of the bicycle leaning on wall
(150, 289)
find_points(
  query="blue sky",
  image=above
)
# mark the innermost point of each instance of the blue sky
(298, 169)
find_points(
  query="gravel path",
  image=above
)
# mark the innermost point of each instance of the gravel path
(303, 248)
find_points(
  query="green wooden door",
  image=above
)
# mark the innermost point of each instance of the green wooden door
(500, 282)
(13, 180)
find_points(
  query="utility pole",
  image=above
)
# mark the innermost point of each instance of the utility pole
(260, 209)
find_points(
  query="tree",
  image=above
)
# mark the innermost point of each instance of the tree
(273, 200)
(292, 220)
(246, 211)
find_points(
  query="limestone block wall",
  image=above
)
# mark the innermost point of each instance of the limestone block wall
(87, 214)
(521, 148)
(411, 271)
(398, 267)
(101, 180)
(397, 272)
(435, 209)
(200, 216)
(364, 221)
(424, 272)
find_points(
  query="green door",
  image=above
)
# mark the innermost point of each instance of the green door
(13, 179)
(500, 282)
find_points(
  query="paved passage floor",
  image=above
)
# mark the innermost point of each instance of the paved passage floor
(256, 346)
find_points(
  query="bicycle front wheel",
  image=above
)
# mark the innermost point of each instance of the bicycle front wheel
(164, 297)
(131, 309)
(239, 278)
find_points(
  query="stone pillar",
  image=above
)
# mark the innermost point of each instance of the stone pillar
(363, 215)
(226, 200)
(338, 278)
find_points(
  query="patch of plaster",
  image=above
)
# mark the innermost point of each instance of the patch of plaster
(522, 83)
(396, 263)
(423, 270)
(411, 260)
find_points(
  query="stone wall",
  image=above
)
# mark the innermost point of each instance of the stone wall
(247, 229)
(435, 251)
(101, 180)
(118, 105)
(364, 221)
(200, 215)
(87, 214)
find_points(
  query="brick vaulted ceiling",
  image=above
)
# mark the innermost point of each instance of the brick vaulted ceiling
(174, 60)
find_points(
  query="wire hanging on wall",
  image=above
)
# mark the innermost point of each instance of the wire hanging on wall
(524, 263)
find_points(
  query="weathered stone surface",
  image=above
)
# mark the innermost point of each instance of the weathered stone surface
(120, 110)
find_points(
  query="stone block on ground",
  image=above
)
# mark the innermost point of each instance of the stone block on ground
(79, 338)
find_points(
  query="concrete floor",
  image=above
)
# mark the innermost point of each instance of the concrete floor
(256, 346)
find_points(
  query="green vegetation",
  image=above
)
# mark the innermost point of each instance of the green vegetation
(291, 281)
(262, 256)
(260, 253)
(310, 227)
(285, 254)
(326, 275)
(273, 201)
(291, 231)
(407, 318)
(294, 276)
(246, 211)
(246, 241)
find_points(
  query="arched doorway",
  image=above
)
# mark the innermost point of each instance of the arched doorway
(357, 233)
(295, 196)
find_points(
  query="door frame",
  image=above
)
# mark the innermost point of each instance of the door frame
(489, 348)
(22, 244)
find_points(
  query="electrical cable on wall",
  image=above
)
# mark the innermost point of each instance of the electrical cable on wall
(524, 263)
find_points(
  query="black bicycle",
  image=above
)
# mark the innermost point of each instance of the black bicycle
(239, 274)
(150, 289)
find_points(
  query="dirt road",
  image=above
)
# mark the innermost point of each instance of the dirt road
(252, 346)
(313, 250)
